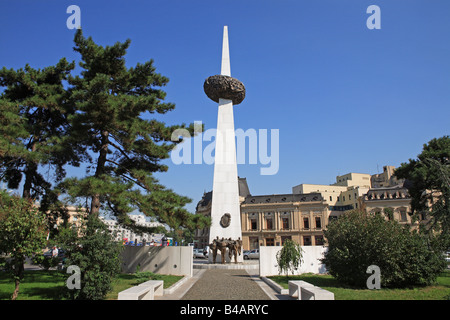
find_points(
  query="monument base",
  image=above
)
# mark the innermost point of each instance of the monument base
(228, 260)
(247, 264)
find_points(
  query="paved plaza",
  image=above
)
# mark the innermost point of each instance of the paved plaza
(224, 284)
(218, 284)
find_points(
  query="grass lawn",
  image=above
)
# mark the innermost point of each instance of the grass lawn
(49, 285)
(37, 285)
(439, 291)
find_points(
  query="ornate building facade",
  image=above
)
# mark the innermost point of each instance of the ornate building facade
(268, 220)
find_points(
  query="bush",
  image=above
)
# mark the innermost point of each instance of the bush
(93, 250)
(22, 234)
(45, 262)
(357, 240)
(289, 257)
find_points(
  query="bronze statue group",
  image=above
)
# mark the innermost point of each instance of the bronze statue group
(233, 246)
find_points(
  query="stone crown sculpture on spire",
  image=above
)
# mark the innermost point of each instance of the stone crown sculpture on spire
(224, 86)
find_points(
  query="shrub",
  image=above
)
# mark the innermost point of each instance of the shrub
(22, 233)
(357, 240)
(45, 262)
(289, 257)
(92, 249)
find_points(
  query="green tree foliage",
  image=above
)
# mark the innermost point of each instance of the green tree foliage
(105, 117)
(429, 185)
(34, 123)
(289, 257)
(23, 232)
(114, 105)
(389, 213)
(91, 247)
(357, 240)
(11, 132)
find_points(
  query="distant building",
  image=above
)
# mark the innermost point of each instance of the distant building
(201, 237)
(124, 234)
(341, 196)
(268, 220)
(271, 219)
(386, 178)
(396, 199)
(77, 214)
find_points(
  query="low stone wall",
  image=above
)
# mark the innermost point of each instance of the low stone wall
(268, 265)
(163, 260)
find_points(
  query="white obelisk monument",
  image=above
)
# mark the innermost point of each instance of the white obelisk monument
(225, 207)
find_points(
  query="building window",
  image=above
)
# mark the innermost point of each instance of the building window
(269, 224)
(331, 198)
(285, 223)
(403, 216)
(253, 224)
(319, 240)
(306, 223)
(306, 240)
(343, 198)
(253, 243)
(318, 223)
(349, 197)
(270, 242)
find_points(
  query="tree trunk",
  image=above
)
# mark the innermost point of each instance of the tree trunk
(95, 203)
(18, 272)
(29, 173)
(16, 290)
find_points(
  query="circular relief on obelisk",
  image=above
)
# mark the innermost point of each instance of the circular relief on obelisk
(224, 87)
(225, 220)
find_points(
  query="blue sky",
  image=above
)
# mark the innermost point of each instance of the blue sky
(344, 98)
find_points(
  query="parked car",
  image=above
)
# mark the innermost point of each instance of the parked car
(198, 253)
(49, 253)
(253, 254)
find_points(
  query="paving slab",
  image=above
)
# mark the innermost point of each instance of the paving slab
(220, 284)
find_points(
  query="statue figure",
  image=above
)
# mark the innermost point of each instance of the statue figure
(213, 248)
(234, 248)
(219, 245)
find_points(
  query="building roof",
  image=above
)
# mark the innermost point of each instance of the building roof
(387, 193)
(283, 198)
(206, 199)
(207, 196)
(243, 187)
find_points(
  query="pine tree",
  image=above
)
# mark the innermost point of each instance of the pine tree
(113, 105)
(34, 125)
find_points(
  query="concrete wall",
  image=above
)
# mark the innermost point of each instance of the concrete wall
(162, 260)
(268, 265)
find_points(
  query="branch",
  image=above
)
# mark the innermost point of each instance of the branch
(136, 181)
(118, 148)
